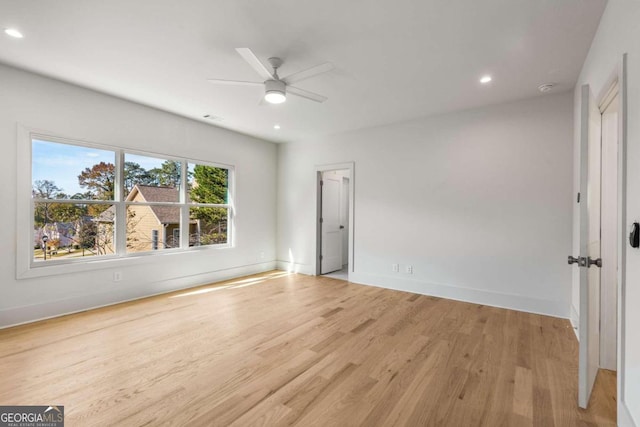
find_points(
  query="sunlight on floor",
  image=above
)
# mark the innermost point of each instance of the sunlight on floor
(233, 285)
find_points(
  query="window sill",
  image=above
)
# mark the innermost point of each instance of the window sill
(41, 269)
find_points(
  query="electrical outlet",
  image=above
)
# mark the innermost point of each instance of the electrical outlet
(395, 268)
(117, 276)
(409, 269)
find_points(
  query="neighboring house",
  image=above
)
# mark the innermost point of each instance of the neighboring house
(153, 227)
(63, 233)
(149, 227)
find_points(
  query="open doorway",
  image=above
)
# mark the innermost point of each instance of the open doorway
(602, 239)
(609, 226)
(334, 243)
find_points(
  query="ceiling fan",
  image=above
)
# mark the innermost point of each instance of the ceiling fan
(276, 88)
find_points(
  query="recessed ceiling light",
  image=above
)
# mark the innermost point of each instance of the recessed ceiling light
(276, 127)
(13, 33)
(485, 79)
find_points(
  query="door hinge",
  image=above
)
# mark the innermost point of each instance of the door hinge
(321, 182)
(320, 257)
(321, 220)
(578, 198)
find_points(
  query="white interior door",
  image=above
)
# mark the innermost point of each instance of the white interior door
(344, 220)
(331, 247)
(590, 187)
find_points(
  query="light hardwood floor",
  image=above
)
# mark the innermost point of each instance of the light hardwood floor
(278, 349)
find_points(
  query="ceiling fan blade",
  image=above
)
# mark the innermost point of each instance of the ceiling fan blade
(255, 63)
(234, 82)
(306, 94)
(309, 72)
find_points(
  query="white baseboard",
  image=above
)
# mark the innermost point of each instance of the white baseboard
(494, 299)
(624, 416)
(26, 314)
(292, 267)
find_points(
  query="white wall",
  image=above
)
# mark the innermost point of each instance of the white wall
(478, 202)
(618, 33)
(73, 112)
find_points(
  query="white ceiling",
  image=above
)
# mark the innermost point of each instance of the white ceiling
(394, 60)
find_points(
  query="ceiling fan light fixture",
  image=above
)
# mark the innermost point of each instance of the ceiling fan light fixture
(275, 91)
(275, 97)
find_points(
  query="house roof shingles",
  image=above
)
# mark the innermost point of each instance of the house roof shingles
(165, 214)
(158, 194)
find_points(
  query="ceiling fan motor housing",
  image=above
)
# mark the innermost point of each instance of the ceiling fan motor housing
(274, 86)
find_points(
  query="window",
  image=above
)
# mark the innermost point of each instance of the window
(152, 193)
(92, 202)
(71, 186)
(208, 195)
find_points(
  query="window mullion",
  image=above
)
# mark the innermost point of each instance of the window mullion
(231, 211)
(121, 208)
(184, 209)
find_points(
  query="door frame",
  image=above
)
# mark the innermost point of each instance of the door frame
(619, 77)
(350, 166)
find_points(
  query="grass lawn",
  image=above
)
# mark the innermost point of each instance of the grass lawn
(38, 254)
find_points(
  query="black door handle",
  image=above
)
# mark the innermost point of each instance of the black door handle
(597, 262)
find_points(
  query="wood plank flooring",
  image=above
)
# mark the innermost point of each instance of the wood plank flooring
(282, 349)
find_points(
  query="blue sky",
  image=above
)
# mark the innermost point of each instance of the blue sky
(62, 163)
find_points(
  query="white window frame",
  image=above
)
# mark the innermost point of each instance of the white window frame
(26, 265)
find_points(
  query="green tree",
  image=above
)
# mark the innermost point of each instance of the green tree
(136, 174)
(88, 195)
(66, 212)
(167, 174)
(210, 185)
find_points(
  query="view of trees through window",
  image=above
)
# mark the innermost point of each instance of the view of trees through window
(208, 185)
(75, 209)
